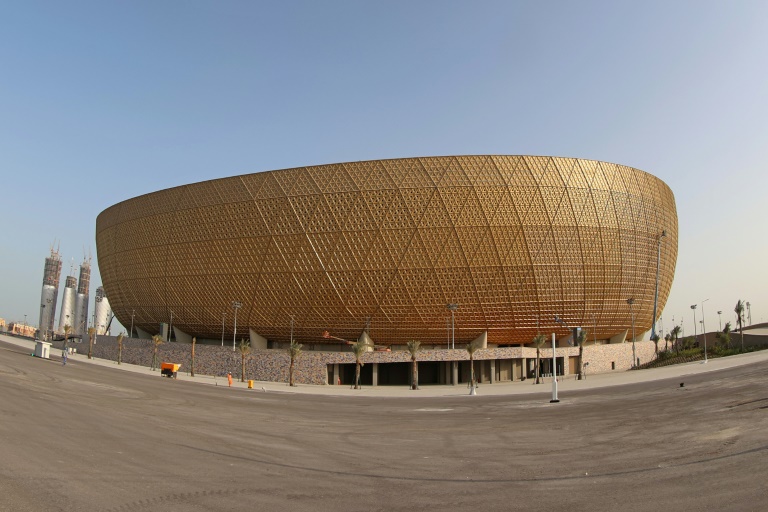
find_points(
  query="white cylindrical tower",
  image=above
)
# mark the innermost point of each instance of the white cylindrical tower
(67, 316)
(81, 299)
(102, 311)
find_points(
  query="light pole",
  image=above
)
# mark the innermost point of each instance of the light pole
(631, 301)
(720, 320)
(453, 307)
(656, 293)
(42, 311)
(133, 312)
(695, 334)
(237, 305)
(554, 372)
(223, 317)
(170, 329)
(704, 329)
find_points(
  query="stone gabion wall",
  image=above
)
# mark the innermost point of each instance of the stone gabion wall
(311, 367)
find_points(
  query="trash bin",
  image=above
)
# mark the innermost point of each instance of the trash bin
(169, 370)
(250, 384)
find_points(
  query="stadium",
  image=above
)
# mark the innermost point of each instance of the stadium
(379, 249)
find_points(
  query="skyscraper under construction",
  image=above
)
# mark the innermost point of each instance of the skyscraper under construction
(81, 299)
(101, 312)
(50, 292)
(67, 315)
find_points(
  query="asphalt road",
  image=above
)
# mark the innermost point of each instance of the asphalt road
(86, 437)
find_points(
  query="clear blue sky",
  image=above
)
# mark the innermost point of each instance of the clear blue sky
(102, 101)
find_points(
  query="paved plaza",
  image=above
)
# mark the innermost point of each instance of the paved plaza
(93, 435)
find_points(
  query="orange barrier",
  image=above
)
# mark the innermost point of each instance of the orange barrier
(169, 369)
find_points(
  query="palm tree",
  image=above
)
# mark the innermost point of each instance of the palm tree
(675, 332)
(582, 336)
(471, 348)
(667, 338)
(192, 366)
(120, 348)
(414, 347)
(538, 341)
(91, 339)
(245, 349)
(725, 336)
(655, 339)
(157, 340)
(358, 349)
(294, 349)
(739, 310)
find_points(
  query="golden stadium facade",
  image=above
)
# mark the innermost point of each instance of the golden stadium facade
(512, 240)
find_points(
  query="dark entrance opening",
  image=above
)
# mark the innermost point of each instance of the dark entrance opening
(395, 374)
(347, 372)
(429, 372)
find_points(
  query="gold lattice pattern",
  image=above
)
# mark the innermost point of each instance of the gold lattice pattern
(513, 240)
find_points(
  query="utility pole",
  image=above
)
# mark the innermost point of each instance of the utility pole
(237, 305)
(656, 293)
(631, 301)
(704, 329)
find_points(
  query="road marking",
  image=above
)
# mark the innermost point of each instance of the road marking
(433, 410)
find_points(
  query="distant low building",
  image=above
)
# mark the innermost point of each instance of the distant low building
(22, 330)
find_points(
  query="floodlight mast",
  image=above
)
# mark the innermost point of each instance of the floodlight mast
(656, 293)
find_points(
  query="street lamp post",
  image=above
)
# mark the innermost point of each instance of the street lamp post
(454, 364)
(133, 312)
(42, 311)
(720, 320)
(704, 329)
(453, 307)
(223, 317)
(656, 293)
(170, 328)
(237, 305)
(554, 372)
(631, 301)
(695, 333)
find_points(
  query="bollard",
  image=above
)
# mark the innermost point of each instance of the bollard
(250, 384)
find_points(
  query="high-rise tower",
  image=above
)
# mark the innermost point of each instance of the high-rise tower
(50, 292)
(81, 299)
(67, 315)
(101, 311)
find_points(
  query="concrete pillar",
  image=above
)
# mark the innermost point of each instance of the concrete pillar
(180, 336)
(493, 371)
(335, 374)
(619, 338)
(257, 341)
(481, 341)
(375, 374)
(455, 372)
(524, 368)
